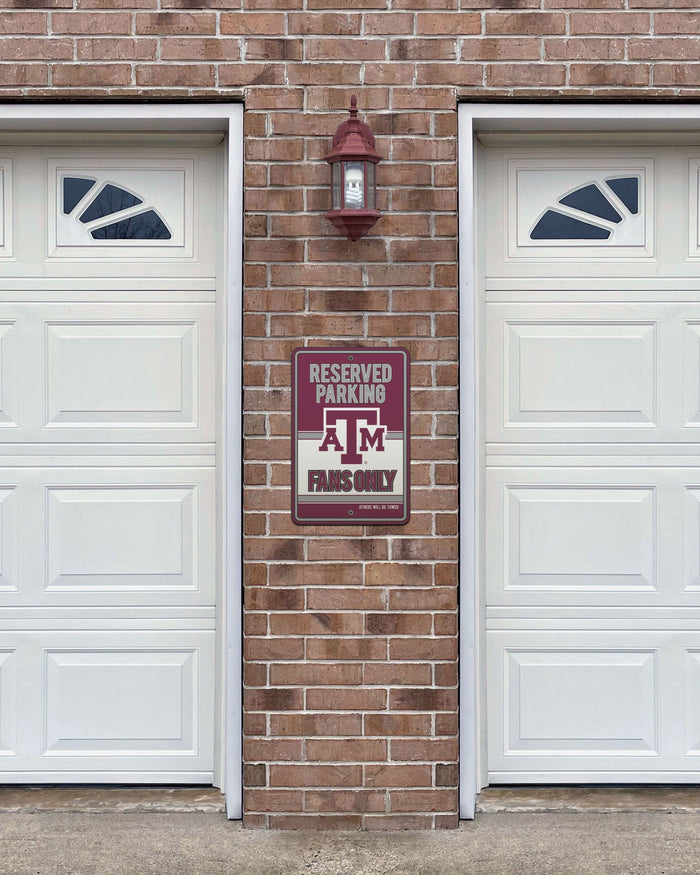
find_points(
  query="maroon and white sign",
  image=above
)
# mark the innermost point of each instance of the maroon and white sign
(350, 422)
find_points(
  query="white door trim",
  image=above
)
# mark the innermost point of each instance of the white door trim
(226, 119)
(474, 119)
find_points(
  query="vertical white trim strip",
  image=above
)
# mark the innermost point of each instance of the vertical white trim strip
(233, 676)
(467, 471)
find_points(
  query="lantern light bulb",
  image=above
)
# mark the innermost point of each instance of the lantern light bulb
(354, 186)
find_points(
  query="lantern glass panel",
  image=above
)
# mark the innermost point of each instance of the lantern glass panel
(354, 185)
(337, 205)
(371, 203)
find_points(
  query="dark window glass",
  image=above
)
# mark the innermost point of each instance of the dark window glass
(627, 189)
(590, 199)
(557, 226)
(111, 199)
(143, 226)
(74, 190)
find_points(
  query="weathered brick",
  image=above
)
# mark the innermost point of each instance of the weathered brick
(501, 49)
(610, 74)
(191, 75)
(116, 49)
(335, 23)
(523, 23)
(273, 800)
(460, 24)
(609, 23)
(30, 49)
(344, 800)
(315, 775)
(346, 749)
(319, 725)
(199, 49)
(584, 49)
(390, 775)
(423, 800)
(91, 22)
(365, 699)
(91, 74)
(676, 22)
(519, 75)
(23, 22)
(422, 49)
(175, 23)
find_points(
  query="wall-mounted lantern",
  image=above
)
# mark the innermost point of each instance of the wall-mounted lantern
(353, 184)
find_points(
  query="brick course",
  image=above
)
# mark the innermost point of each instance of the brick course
(351, 648)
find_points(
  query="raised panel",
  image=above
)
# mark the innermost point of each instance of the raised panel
(122, 538)
(592, 374)
(9, 546)
(691, 538)
(580, 538)
(694, 208)
(6, 207)
(9, 374)
(121, 374)
(121, 701)
(114, 535)
(692, 701)
(580, 701)
(691, 374)
(8, 702)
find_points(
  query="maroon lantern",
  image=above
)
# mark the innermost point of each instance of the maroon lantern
(354, 190)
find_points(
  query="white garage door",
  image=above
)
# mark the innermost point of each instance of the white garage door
(591, 393)
(108, 542)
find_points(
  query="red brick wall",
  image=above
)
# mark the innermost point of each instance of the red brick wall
(351, 647)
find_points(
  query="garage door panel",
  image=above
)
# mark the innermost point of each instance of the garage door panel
(564, 701)
(594, 705)
(108, 373)
(8, 703)
(121, 374)
(120, 701)
(122, 538)
(591, 373)
(592, 535)
(577, 537)
(107, 703)
(109, 536)
(562, 374)
(577, 702)
(583, 536)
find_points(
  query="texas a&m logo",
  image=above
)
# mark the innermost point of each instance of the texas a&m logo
(362, 431)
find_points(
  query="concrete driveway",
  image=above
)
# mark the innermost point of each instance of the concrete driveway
(89, 843)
